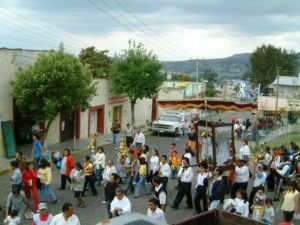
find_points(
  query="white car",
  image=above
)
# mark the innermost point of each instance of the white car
(168, 123)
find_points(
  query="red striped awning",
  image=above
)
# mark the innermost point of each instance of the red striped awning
(210, 104)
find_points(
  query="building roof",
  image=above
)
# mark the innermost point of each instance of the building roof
(21, 49)
(287, 80)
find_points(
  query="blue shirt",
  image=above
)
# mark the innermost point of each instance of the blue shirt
(16, 177)
(37, 148)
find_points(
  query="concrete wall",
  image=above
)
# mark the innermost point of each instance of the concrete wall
(268, 103)
(286, 91)
(105, 97)
(10, 61)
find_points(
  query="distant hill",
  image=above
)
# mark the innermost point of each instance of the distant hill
(232, 67)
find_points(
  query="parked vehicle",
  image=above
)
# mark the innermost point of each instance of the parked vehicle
(170, 122)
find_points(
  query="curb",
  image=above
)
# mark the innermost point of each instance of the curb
(147, 133)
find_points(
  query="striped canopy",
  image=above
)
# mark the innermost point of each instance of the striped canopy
(210, 104)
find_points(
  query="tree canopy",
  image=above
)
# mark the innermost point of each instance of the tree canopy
(56, 83)
(265, 61)
(183, 77)
(211, 77)
(98, 61)
(136, 72)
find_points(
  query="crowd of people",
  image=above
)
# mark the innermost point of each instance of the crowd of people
(140, 170)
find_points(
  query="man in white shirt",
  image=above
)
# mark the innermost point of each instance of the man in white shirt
(242, 175)
(99, 163)
(245, 152)
(66, 217)
(201, 188)
(139, 139)
(154, 212)
(121, 204)
(186, 176)
(165, 170)
(108, 171)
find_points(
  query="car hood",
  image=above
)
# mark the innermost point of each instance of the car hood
(163, 122)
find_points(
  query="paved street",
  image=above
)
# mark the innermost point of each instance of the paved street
(95, 210)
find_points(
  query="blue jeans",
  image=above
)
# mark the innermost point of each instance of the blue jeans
(129, 184)
(173, 173)
(46, 188)
(108, 208)
(98, 173)
(116, 138)
(142, 183)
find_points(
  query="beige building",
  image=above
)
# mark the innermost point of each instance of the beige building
(104, 107)
(288, 95)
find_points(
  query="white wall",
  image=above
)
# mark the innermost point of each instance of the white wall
(10, 61)
(142, 109)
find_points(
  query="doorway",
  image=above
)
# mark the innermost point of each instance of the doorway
(67, 126)
(117, 113)
(96, 120)
(23, 124)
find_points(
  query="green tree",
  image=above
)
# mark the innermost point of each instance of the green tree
(264, 62)
(211, 77)
(56, 83)
(136, 72)
(98, 61)
(184, 77)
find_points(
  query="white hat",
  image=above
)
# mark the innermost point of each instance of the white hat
(42, 205)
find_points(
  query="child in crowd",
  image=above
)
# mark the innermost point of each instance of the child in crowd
(258, 203)
(142, 181)
(175, 164)
(12, 219)
(16, 175)
(268, 217)
(77, 176)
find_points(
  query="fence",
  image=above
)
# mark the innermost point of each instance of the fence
(267, 135)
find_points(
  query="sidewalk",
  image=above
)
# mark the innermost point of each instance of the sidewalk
(77, 146)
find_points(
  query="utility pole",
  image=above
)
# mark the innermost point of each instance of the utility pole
(197, 78)
(277, 92)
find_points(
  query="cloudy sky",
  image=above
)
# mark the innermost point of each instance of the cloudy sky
(174, 30)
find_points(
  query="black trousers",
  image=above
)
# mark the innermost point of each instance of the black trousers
(271, 180)
(164, 181)
(89, 181)
(184, 189)
(129, 141)
(237, 186)
(151, 175)
(63, 181)
(200, 195)
(251, 197)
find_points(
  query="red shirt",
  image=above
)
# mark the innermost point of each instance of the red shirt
(172, 151)
(42, 218)
(285, 223)
(29, 175)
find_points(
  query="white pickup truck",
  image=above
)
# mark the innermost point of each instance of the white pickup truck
(169, 123)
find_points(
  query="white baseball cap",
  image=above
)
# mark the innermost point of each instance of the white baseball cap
(42, 205)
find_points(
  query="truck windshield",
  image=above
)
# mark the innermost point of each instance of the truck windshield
(169, 118)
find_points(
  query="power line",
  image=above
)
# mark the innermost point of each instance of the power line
(148, 27)
(42, 36)
(35, 24)
(172, 51)
(114, 19)
(23, 40)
